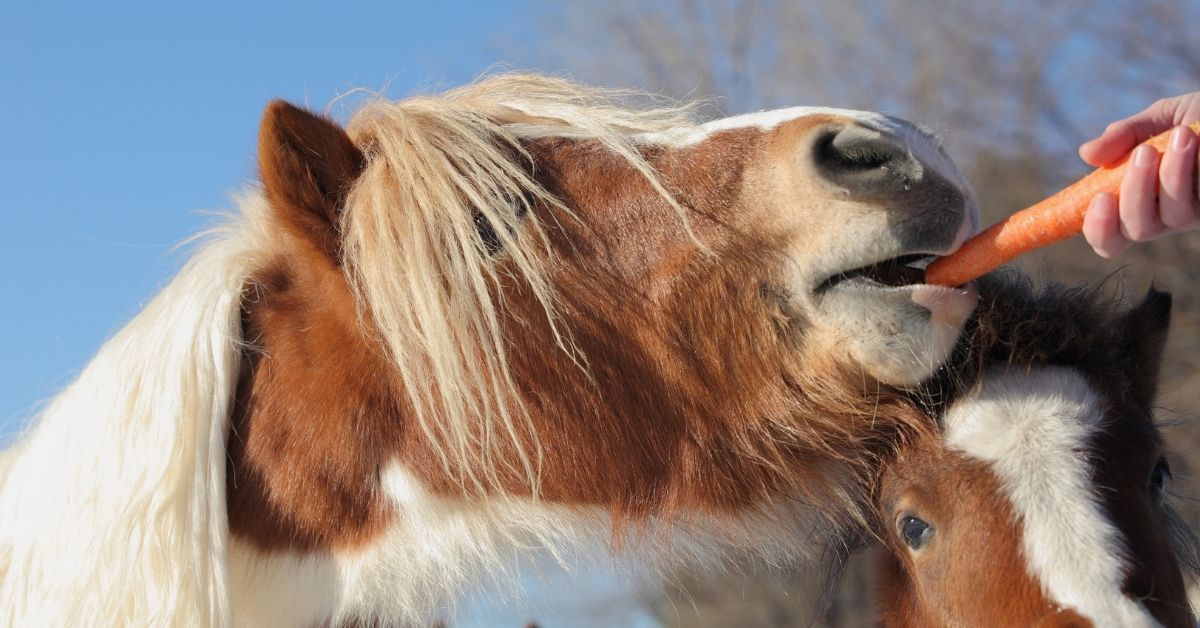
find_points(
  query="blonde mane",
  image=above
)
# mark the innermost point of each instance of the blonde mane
(436, 167)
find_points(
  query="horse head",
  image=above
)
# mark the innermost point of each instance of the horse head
(518, 314)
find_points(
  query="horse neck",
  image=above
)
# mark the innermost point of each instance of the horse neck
(439, 549)
(435, 550)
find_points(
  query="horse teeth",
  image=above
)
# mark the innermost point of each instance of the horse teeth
(921, 264)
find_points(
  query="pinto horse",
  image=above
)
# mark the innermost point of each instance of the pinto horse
(516, 315)
(1042, 500)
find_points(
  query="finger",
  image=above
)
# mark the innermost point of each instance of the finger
(1139, 197)
(1121, 136)
(1117, 139)
(1101, 227)
(1177, 181)
(1175, 111)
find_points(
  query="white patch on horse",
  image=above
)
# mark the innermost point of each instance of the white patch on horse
(765, 121)
(1032, 428)
(441, 549)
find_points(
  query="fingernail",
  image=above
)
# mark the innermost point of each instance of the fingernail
(1144, 156)
(1181, 139)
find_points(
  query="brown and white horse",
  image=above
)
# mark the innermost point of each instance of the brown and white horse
(516, 316)
(1041, 501)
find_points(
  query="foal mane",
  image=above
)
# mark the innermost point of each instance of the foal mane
(437, 169)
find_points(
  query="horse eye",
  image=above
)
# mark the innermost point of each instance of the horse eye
(1159, 476)
(915, 532)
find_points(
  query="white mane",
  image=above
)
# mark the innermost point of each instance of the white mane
(113, 504)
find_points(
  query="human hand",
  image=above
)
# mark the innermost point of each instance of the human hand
(1158, 193)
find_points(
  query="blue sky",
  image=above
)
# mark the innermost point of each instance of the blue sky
(121, 125)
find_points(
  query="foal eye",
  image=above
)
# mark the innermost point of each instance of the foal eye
(915, 532)
(1159, 476)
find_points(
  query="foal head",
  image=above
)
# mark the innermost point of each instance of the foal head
(1042, 500)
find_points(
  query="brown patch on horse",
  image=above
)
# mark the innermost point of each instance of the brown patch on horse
(962, 499)
(1063, 618)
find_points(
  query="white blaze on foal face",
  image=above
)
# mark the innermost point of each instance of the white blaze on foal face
(1034, 430)
(1040, 504)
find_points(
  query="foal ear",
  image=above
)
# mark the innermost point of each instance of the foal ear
(1144, 332)
(307, 163)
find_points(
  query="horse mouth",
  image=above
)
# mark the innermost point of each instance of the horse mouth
(898, 272)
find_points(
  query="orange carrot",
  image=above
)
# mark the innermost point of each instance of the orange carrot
(1046, 222)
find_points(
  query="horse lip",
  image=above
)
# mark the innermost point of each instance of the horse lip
(966, 230)
(948, 306)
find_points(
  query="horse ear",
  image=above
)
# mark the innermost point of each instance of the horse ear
(307, 164)
(1144, 330)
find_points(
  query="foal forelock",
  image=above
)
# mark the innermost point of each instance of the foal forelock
(1033, 429)
(437, 168)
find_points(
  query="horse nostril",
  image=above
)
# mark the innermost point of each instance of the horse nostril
(866, 161)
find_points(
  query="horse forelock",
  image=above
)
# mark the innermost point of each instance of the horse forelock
(438, 166)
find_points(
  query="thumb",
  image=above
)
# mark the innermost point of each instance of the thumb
(1121, 136)
(1118, 138)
